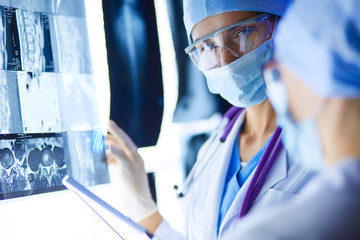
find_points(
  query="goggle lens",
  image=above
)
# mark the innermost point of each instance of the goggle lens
(237, 40)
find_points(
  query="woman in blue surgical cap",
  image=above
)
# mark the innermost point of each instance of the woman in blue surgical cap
(242, 167)
(314, 85)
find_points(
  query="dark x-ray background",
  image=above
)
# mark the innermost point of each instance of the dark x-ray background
(134, 68)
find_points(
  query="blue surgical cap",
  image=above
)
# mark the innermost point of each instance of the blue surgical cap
(319, 41)
(197, 10)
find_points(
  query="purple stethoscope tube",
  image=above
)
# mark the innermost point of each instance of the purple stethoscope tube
(266, 163)
(232, 114)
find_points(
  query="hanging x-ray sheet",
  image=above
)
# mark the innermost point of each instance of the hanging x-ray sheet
(50, 121)
(31, 163)
(134, 68)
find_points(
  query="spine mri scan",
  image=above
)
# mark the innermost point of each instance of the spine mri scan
(49, 113)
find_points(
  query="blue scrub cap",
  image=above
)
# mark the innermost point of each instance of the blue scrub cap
(197, 10)
(319, 41)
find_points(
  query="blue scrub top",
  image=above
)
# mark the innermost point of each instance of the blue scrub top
(236, 177)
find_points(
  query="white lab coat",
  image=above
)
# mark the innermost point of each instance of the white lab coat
(201, 203)
(328, 208)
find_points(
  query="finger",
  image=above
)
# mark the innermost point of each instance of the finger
(111, 141)
(120, 154)
(115, 130)
(111, 158)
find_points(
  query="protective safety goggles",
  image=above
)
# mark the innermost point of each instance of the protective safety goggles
(236, 39)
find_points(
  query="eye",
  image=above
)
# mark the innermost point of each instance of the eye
(207, 46)
(244, 31)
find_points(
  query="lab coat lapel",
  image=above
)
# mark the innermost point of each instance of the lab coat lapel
(277, 173)
(222, 158)
(234, 209)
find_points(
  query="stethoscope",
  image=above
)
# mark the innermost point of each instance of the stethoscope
(262, 171)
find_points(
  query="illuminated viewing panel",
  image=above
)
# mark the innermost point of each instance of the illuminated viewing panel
(50, 120)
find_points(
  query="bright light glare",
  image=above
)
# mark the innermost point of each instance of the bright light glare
(169, 170)
(98, 53)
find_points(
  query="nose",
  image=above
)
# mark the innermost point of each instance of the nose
(226, 56)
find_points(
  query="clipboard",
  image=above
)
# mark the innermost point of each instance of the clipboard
(123, 226)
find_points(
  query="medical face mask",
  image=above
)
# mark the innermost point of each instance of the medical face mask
(301, 138)
(241, 82)
(302, 141)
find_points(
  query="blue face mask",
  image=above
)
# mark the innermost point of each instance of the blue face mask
(301, 138)
(241, 82)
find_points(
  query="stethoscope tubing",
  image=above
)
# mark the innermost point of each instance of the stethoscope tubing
(191, 176)
(266, 163)
(228, 122)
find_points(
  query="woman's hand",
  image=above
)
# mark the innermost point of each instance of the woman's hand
(128, 172)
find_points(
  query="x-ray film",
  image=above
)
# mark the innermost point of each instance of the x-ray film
(2, 39)
(35, 44)
(50, 121)
(47, 49)
(31, 163)
(13, 53)
(72, 49)
(10, 121)
(39, 102)
(88, 165)
(73, 91)
(43, 6)
(74, 8)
